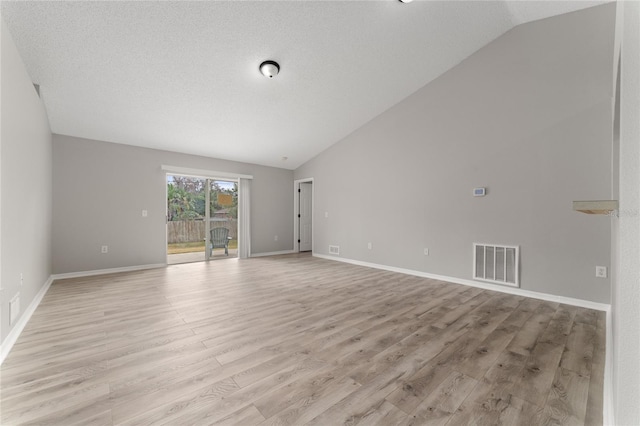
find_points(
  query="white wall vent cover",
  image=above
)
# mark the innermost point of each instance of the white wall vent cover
(334, 249)
(496, 264)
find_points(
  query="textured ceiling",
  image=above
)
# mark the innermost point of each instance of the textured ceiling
(183, 76)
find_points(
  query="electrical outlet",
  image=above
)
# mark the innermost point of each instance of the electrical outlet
(104, 249)
(145, 213)
(426, 252)
(369, 245)
(601, 272)
(326, 214)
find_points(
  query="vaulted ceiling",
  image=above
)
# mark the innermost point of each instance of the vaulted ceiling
(183, 76)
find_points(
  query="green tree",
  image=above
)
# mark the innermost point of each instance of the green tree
(186, 198)
(189, 184)
(233, 210)
(180, 203)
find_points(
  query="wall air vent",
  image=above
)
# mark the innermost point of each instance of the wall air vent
(496, 264)
(334, 250)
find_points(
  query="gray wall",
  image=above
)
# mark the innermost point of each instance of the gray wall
(100, 190)
(25, 213)
(529, 117)
(626, 285)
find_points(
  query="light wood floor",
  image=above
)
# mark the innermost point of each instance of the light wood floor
(299, 340)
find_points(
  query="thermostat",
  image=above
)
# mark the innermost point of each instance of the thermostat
(479, 192)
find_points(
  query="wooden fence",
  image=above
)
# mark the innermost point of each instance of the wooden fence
(187, 231)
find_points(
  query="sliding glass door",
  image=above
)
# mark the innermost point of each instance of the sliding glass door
(202, 219)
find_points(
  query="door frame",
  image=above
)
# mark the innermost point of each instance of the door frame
(296, 211)
(200, 174)
(207, 221)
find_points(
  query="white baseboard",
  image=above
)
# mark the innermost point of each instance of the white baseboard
(608, 408)
(107, 271)
(503, 289)
(15, 332)
(272, 253)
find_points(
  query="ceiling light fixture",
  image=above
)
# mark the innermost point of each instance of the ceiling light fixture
(405, 1)
(269, 68)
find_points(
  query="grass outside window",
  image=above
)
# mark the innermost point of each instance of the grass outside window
(193, 247)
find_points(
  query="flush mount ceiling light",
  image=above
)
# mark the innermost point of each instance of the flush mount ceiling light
(269, 68)
(405, 1)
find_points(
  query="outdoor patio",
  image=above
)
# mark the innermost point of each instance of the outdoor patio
(198, 256)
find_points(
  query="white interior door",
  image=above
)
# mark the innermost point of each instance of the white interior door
(304, 217)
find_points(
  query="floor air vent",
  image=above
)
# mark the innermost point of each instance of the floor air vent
(496, 264)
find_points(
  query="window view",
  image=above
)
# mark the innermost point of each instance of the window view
(195, 232)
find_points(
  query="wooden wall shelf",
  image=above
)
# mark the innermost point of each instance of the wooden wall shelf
(596, 206)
